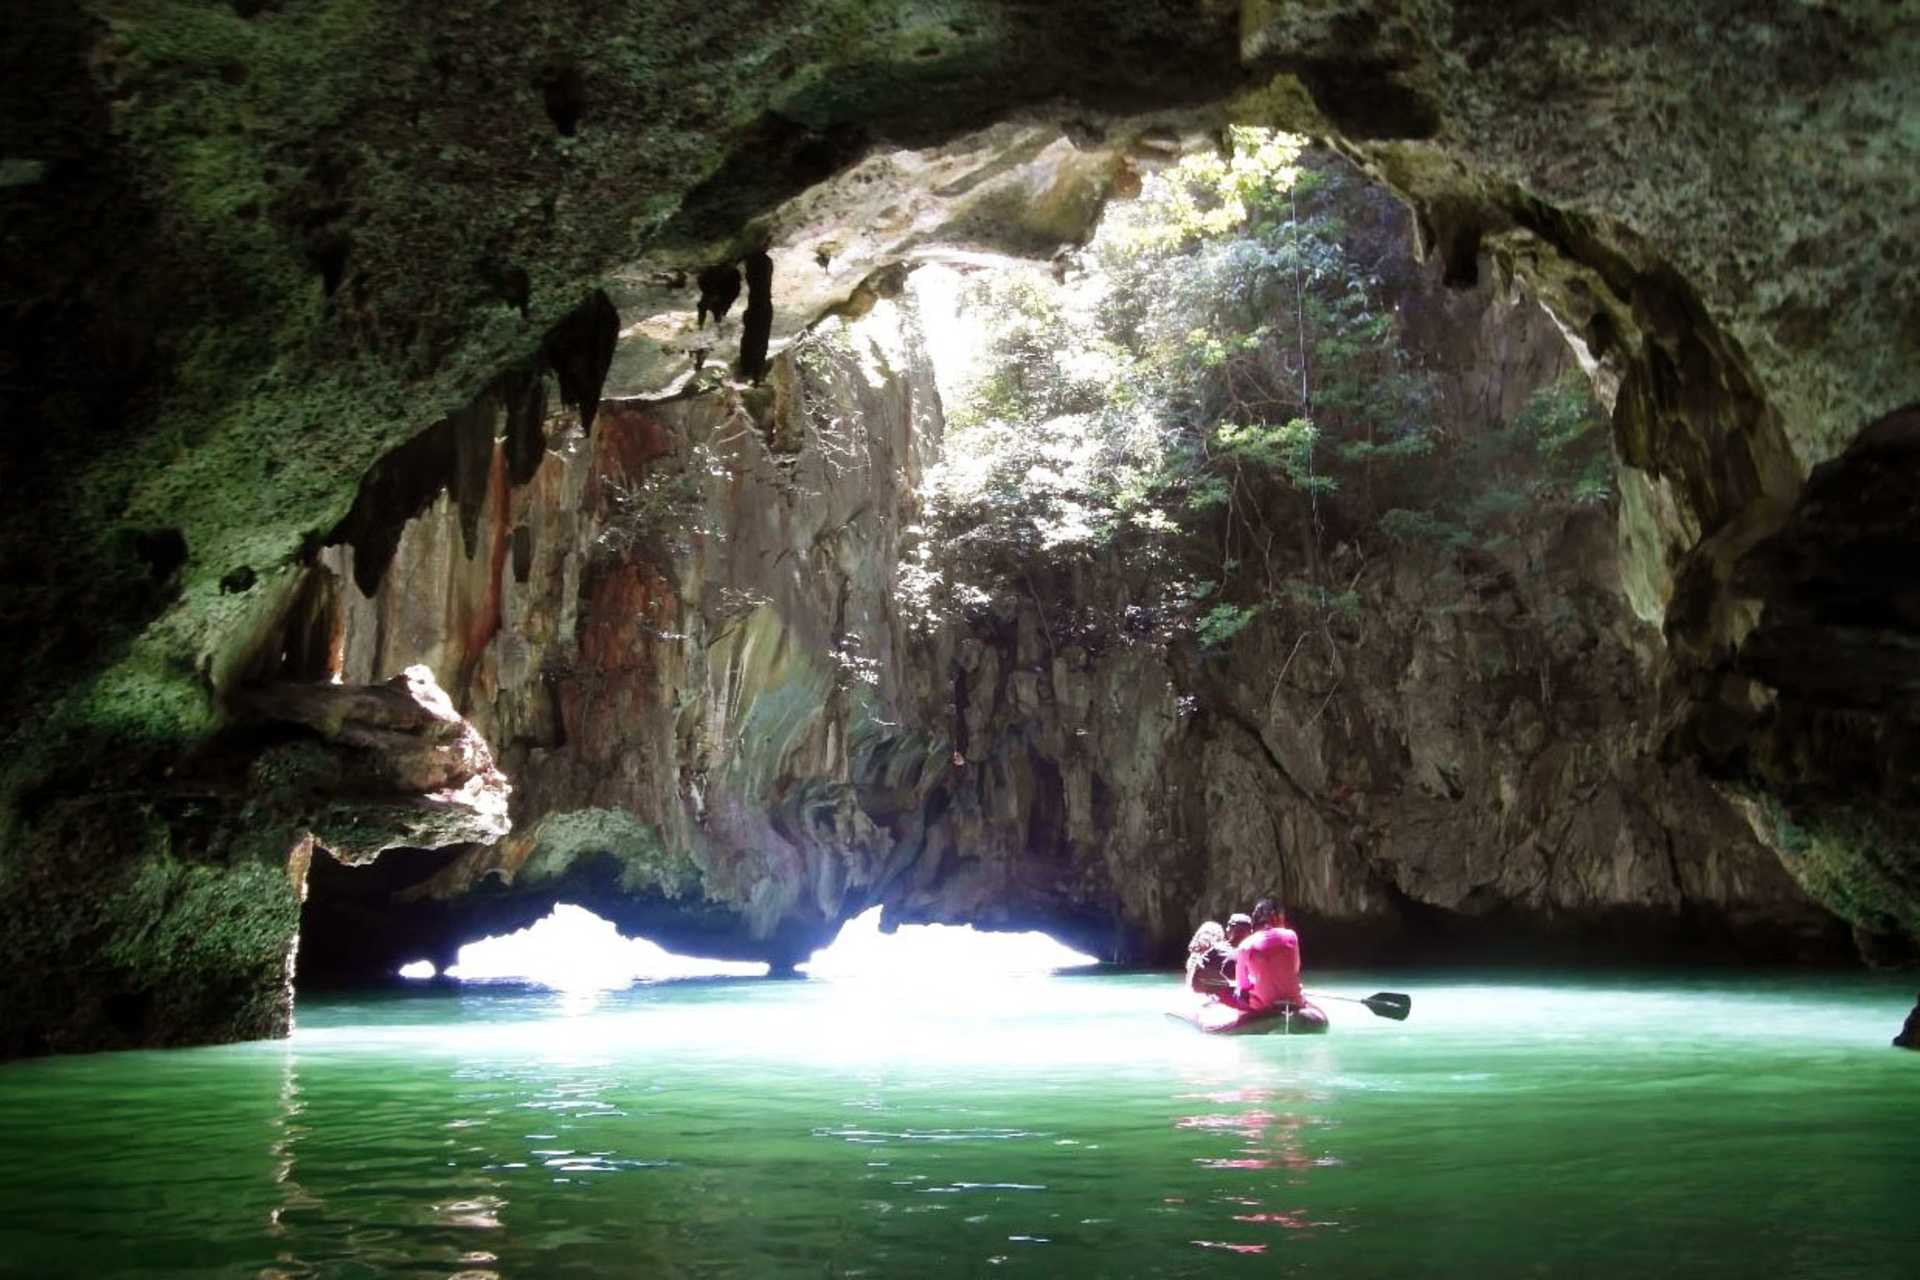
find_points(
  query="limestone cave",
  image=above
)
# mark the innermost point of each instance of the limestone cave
(462, 459)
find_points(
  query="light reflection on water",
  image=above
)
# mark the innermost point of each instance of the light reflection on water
(1052, 1126)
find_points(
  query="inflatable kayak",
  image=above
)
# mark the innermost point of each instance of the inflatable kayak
(1217, 1019)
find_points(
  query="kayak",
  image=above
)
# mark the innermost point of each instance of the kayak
(1217, 1019)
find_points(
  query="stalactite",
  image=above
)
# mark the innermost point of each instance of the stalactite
(456, 453)
(756, 327)
(719, 286)
(579, 350)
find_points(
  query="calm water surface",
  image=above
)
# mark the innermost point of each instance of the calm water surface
(1046, 1127)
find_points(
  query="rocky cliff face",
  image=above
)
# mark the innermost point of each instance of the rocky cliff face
(212, 865)
(679, 633)
(257, 247)
(1815, 711)
(1474, 757)
(682, 636)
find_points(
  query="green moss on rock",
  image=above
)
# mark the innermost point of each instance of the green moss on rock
(1862, 866)
(647, 864)
(115, 937)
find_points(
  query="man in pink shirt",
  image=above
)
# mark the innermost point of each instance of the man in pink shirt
(1267, 965)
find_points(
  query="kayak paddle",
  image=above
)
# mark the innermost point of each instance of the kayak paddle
(1388, 1004)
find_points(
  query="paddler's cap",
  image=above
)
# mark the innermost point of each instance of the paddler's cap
(1239, 917)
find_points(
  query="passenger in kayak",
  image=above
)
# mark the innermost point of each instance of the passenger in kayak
(1210, 962)
(1267, 966)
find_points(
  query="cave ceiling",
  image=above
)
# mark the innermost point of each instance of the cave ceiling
(1016, 190)
(257, 245)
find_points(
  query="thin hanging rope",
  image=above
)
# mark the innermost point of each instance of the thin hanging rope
(1306, 394)
(1313, 488)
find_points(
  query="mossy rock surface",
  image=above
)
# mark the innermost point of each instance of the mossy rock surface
(119, 937)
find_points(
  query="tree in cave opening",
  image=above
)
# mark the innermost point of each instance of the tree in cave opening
(1220, 386)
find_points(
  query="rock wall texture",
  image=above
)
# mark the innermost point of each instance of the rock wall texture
(682, 635)
(144, 917)
(679, 634)
(1818, 703)
(253, 248)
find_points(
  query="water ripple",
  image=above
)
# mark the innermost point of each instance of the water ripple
(1506, 1129)
(926, 1135)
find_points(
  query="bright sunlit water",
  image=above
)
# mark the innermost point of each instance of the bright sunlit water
(1046, 1126)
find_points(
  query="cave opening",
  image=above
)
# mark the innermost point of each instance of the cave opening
(570, 947)
(937, 955)
(1247, 373)
(1166, 506)
(1230, 433)
(1237, 548)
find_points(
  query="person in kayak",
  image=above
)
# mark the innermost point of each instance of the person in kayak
(1267, 966)
(1210, 960)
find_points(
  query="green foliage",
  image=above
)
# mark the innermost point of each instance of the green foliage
(1221, 385)
(1222, 623)
(658, 513)
(1286, 449)
(1219, 195)
(1569, 436)
(1555, 451)
(1403, 525)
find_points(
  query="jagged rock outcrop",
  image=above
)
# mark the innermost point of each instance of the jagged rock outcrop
(1909, 1037)
(254, 248)
(1818, 711)
(1022, 188)
(213, 863)
(677, 632)
(394, 766)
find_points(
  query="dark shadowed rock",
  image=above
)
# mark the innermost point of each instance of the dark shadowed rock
(719, 286)
(756, 326)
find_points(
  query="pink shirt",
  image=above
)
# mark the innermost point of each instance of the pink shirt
(1267, 970)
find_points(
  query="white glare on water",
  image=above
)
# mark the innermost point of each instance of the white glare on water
(944, 992)
(418, 969)
(935, 953)
(574, 949)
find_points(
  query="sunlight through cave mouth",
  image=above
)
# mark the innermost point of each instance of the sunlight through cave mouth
(936, 953)
(574, 948)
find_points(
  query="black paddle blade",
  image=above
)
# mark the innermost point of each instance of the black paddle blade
(1390, 1004)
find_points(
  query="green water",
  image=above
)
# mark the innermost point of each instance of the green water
(1046, 1127)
